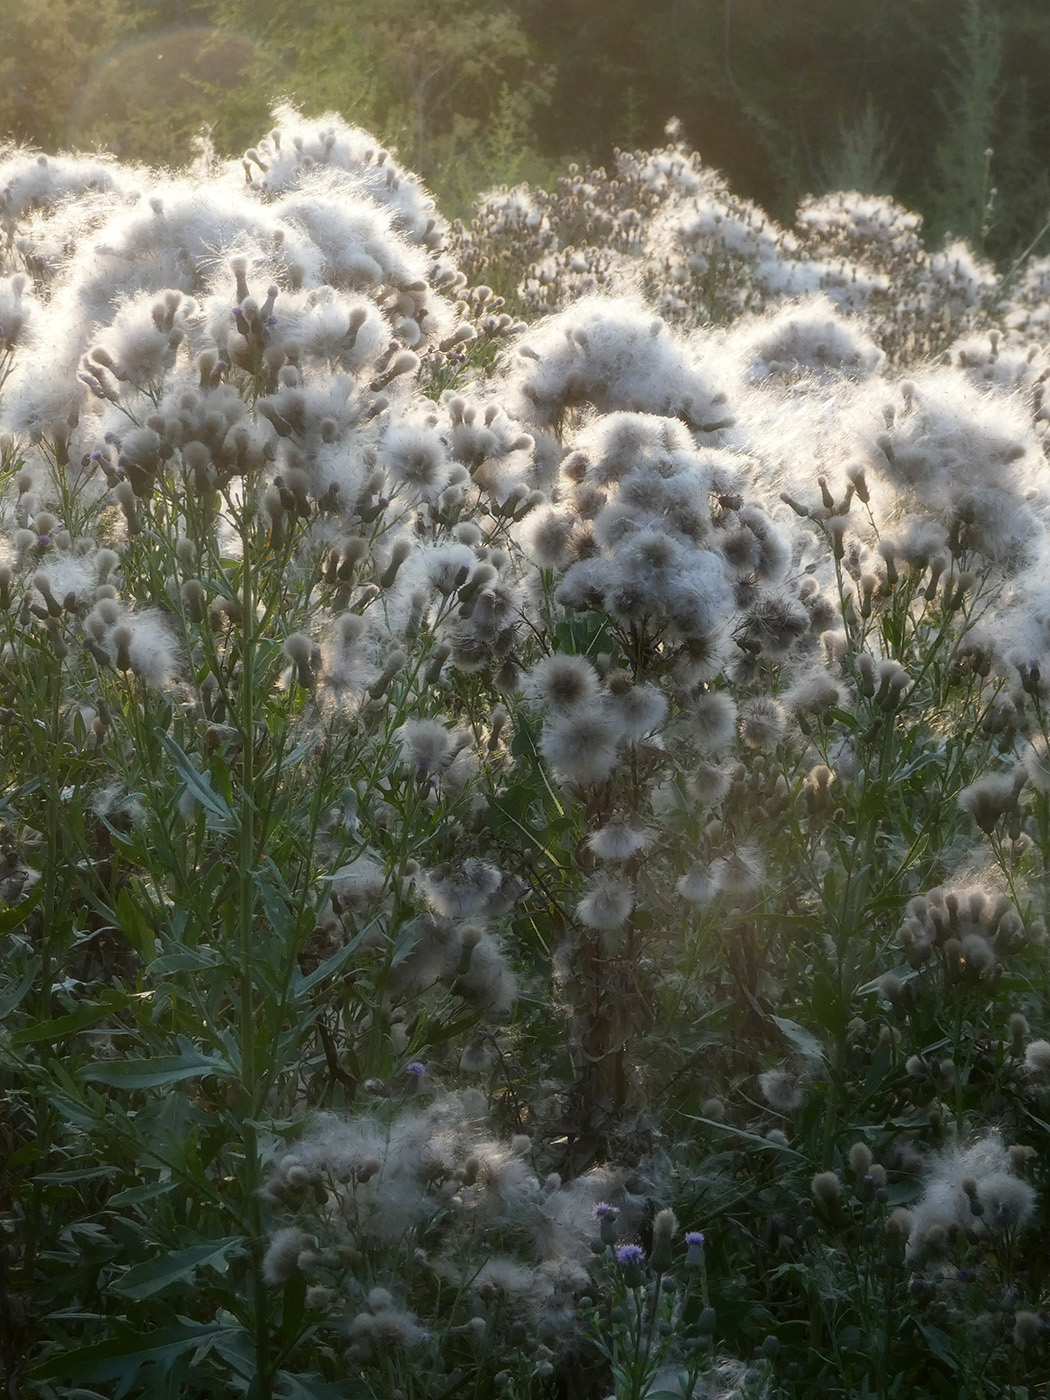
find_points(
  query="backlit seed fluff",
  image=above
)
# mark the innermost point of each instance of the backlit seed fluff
(287, 1248)
(1036, 763)
(617, 842)
(698, 886)
(709, 784)
(740, 872)
(425, 745)
(1008, 1202)
(561, 682)
(549, 535)
(782, 1090)
(826, 1187)
(639, 708)
(860, 1158)
(813, 694)
(298, 648)
(582, 745)
(991, 797)
(762, 723)
(1037, 1056)
(714, 714)
(1027, 1328)
(607, 904)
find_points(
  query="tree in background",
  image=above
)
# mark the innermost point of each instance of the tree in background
(47, 53)
(453, 85)
(778, 94)
(784, 96)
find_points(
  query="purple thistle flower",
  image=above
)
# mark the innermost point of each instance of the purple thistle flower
(630, 1256)
(694, 1249)
(417, 1069)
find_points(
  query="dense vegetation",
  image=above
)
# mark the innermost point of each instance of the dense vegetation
(523, 835)
(943, 103)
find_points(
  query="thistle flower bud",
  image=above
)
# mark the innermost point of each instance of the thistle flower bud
(866, 674)
(607, 1216)
(991, 797)
(394, 663)
(859, 481)
(399, 553)
(1021, 1156)
(194, 599)
(305, 656)
(404, 362)
(440, 655)
(665, 1224)
(120, 639)
(106, 560)
(127, 501)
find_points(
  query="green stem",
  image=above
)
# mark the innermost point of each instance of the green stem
(248, 839)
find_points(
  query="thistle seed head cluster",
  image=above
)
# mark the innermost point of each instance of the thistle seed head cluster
(970, 1191)
(467, 1207)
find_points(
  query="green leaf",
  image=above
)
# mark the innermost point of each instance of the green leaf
(805, 1042)
(826, 1005)
(276, 902)
(770, 1143)
(300, 985)
(186, 960)
(135, 926)
(75, 1174)
(122, 1357)
(63, 1026)
(404, 942)
(291, 1387)
(877, 1070)
(153, 1073)
(17, 994)
(940, 1344)
(134, 1195)
(219, 814)
(16, 914)
(177, 1266)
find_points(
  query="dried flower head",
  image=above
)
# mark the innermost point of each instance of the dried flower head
(562, 682)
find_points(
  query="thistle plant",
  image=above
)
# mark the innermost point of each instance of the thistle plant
(477, 791)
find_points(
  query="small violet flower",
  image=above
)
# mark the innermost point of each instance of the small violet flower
(631, 1259)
